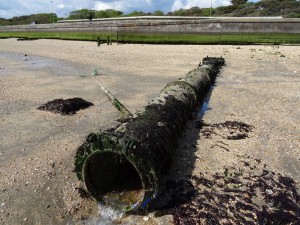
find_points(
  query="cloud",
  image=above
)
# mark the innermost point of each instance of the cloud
(9, 9)
(186, 4)
(128, 6)
(177, 5)
(64, 6)
(116, 5)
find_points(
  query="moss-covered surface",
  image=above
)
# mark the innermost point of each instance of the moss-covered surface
(170, 38)
(144, 144)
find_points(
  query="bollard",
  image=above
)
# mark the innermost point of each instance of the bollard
(122, 167)
(98, 41)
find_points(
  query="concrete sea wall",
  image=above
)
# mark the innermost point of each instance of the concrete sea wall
(182, 25)
(200, 30)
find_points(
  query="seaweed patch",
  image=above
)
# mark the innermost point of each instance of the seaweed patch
(230, 130)
(235, 196)
(65, 106)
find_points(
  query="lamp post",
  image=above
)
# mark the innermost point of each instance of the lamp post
(210, 8)
(52, 12)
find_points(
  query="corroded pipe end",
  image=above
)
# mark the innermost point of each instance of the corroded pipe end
(114, 173)
(113, 180)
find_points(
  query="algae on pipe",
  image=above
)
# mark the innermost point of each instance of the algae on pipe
(122, 167)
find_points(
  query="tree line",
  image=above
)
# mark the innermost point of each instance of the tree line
(242, 8)
(238, 8)
(35, 18)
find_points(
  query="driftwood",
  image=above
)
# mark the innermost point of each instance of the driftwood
(122, 167)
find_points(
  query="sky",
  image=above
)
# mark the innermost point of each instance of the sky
(11, 8)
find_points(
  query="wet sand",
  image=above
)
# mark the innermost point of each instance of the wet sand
(260, 86)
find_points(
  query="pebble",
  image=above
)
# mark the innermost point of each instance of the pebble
(160, 124)
(269, 191)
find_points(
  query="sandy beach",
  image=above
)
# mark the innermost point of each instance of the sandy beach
(258, 86)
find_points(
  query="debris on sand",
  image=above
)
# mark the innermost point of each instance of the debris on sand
(234, 130)
(235, 196)
(66, 107)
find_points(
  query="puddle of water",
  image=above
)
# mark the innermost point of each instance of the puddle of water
(107, 215)
(125, 200)
(202, 110)
(54, 66)
(205, 106)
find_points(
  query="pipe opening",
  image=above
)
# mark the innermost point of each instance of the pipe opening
(113, 180)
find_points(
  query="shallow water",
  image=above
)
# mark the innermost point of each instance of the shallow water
(55, 66)
(205, 105)
(106, 216)
(202, 110)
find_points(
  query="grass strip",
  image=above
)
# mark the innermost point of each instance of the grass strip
(258, 38)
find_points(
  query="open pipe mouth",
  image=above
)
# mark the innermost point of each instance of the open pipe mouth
(113, 180)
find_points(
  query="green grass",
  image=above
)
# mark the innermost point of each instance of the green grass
(212, 38)
(163, 38)
(261, 38)
(169, 38)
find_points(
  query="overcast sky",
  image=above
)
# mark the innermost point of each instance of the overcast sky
(11, 8)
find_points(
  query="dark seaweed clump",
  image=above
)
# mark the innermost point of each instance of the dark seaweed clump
(66, 106)
(237, 130)
(235, 196)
